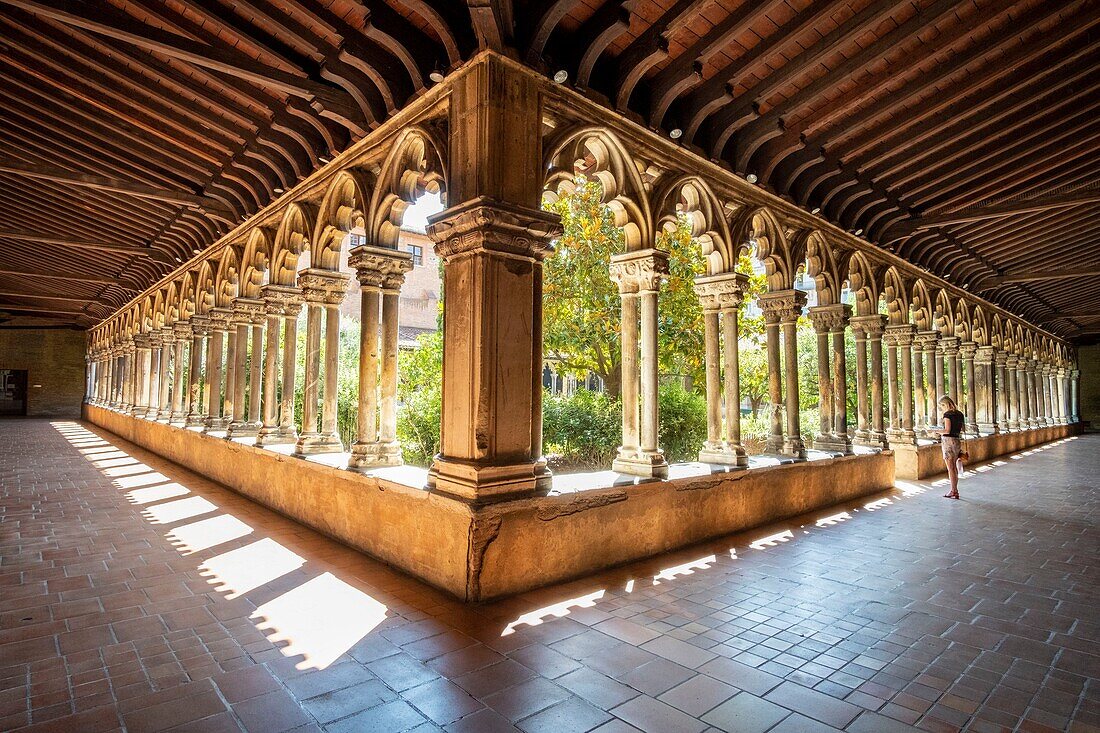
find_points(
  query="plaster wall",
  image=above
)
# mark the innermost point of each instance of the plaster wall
(918, 462)
(480, 553)
(1088, 361)
(54, 360)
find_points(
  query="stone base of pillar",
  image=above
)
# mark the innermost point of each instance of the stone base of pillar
(177, 417)
(774, 444)
(194, 421)
(482, 484)
(365, 456)
(544, 477)
(313, 443)
(242, 430)
(724, 455)
(134, 410)
(276, 436)
(972, 430)
(901, 437)
(635, 462)
(164, 416)
(215, 424)
(833, 443)
(871, 439)
(795, 448)
(988, 428)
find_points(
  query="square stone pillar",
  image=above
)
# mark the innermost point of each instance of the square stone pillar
(380, 272)
(721, 296)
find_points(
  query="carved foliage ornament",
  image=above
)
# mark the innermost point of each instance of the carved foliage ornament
(830, 318)
(784, 306)
(281, 300)
(640, 271)
(323, 287)
(721, 292)
(378, 267)
(485, 225)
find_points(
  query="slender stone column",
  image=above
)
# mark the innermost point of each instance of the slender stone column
(967, 351)
(721, 296)
(255, 379)
(282, 304)
(941, 386)
(248, 315)
(380, 272)
(874, 326)
(829, 323)
(920, 397)
(925, 345)
(900, 336)
(639, 275)
(167, 362)
(323, 290)
(200, 329)
(229, 408)
(128, 385)
(950, 348)
(1063, 406)
(1001, 418)
(894, 411)
(140, 379)
(1035, 408)
(151, 385)
(1048, 396)
(781, 311)
(1074, 395)
(178, 412)
(215, 353)
(1023, 393)
(1012, 396)
(863, 418)
(985, 410)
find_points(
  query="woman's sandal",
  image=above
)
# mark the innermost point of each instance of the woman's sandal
(951, 496)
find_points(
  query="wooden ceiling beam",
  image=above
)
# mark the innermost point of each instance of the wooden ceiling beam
(1037, 275)
(996, 211)
(649, 49)
(74, 277)
(607, 24)
(28, 236)
(36, 296)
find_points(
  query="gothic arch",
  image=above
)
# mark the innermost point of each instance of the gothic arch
(227, 278)
(996, 332)
(187, 297)
(255, 262)
(758, 227)
(691, 198)
(343, 211)
(413, 167)
(897, 296)
(944, 314)
(980, 327)
(204, 289)
(157, 313)
(963, 321)
(598, 154)
(923, 315)
(824, 263)
(171, 304)
(863, 280)
(292, 239)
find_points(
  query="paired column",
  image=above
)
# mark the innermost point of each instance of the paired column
(1035, 403)
(899, 340)
(179, 394)
(1074, 395)
(215, 419)
(829, 323)
(323, 291)
(967, 351)
(167, 352)
(924, 347)
(282, 304)
(1002, 419)
(200, 331)
(1023, 393)
(872, 327)
(781, 311)
(248, 315)
(721, 296)
(380, 272)
(140, 380)
(1048, 402)
(639, 275)
(983, 386)
(949, 347)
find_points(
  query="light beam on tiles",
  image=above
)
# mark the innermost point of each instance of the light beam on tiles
(141, 479)
(114, 462)
(687, 568)
(174, 511)
(983, 469)
(156, 493)
(630, 586)
(247, 568)
(833, 520)
(908, 489)
(772, 540)
(1000, 463)
(557, 610)
(733, 553)
(125, 470)
(99, 451)
(878, 504)
(319, 620)
(207, 533)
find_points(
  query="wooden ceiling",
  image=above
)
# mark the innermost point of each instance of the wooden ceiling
(961, 134)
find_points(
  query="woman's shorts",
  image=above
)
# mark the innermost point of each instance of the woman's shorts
(952, 447)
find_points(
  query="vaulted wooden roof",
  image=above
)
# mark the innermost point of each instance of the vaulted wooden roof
(961, 134)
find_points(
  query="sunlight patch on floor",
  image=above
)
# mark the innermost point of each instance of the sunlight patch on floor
(556, 610)
(175, 511)
(772, 540)
(207, 533)
(156, 493)
(687, 568)
(238, 571)
(319, 620)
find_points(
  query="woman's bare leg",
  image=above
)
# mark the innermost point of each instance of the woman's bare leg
(953, 477)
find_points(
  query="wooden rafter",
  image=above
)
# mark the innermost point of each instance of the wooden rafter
(1011, 208)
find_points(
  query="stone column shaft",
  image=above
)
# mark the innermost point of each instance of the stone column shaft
(967, 351)
(282, 303)
(829, 322)
(323, 290)
(194, 383)
(721, 296)
(781, 311)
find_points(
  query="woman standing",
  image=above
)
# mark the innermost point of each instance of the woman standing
(951, 436)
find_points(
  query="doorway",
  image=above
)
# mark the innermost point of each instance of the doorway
(13, 392)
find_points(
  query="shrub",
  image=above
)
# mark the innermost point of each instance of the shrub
(683, 422)
(418, 425)
(581, 430)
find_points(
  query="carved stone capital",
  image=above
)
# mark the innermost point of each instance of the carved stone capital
(1012, 361)
(984, 355)
(484, 225)
(200, 326)
(220, 318)
(141, 341)
(380, 268)
(968, 349)
(949, 345)
(248, 311)
(926, 340)
(323, 287)
(830, 318)
(782, 306)
(640, 271)
(1000, 357)
(1075, 373)
(281, 300)
(868, 325)
(167, 335)
(721, 292)
(899, 334)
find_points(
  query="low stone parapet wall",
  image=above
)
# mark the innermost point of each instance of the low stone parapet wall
(480, 553)
(922, 461)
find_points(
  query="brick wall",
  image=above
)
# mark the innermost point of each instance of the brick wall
(1088, 358)
(54, 360)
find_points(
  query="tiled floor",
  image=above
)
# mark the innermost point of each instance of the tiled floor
(135, 595)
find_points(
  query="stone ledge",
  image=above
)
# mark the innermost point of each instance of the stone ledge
(478, 554)
(922, 461)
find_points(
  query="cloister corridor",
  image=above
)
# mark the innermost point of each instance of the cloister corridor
(139, 596)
